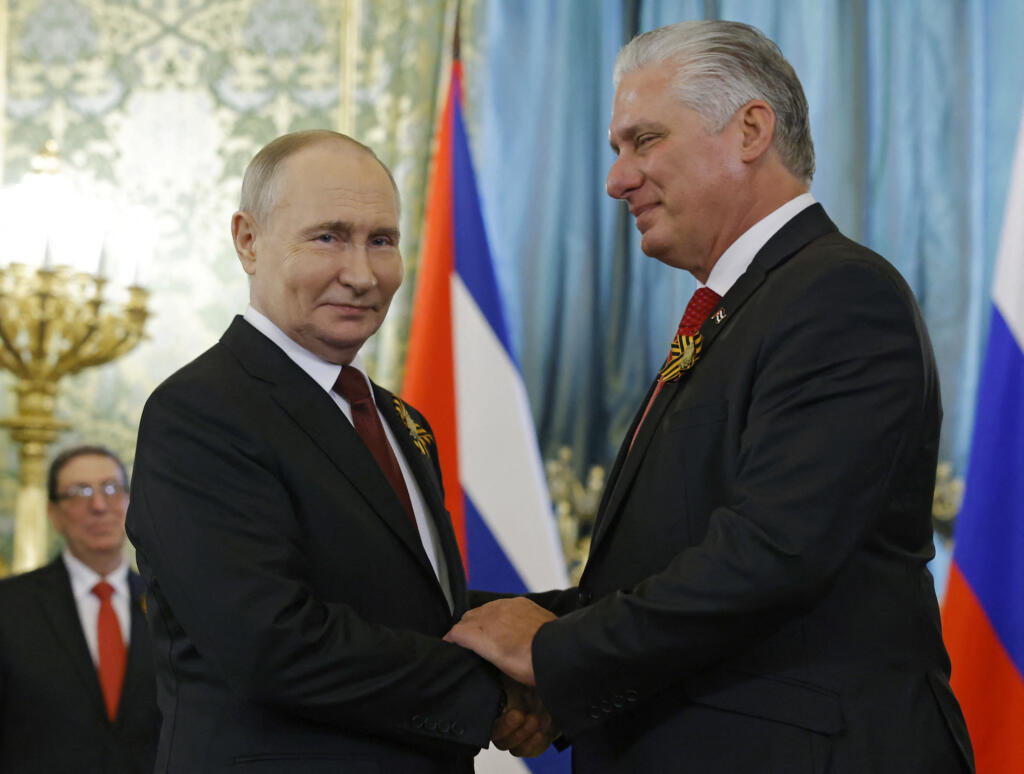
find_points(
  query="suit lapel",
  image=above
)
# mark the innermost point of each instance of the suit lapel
(624, 448)
(803, 228)
(631, 456)
(58, 605)
(419, 461)
(421, 465)
(320, 418)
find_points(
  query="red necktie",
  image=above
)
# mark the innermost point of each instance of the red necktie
(113, 655)
(352, 386)
(697, 310)
(701, 303)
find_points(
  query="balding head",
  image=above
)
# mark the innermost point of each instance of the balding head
(323, 259)
(259, 189)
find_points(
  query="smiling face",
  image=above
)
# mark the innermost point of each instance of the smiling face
(324, 264)
(92, 527)
(684, 185)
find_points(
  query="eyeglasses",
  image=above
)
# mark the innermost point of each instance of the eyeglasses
(81, 493)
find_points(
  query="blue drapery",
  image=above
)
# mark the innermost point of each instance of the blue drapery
(914, 108)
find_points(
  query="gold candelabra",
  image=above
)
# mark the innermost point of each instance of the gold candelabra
(575, 507)
(54, 321)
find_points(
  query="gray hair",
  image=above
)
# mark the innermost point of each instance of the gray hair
(259, 184)
(722, 66)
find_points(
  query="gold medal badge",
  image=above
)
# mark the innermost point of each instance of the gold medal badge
(420, 437)
(684, 353)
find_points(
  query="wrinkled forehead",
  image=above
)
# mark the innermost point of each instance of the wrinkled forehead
(333, 165)
(645, 95)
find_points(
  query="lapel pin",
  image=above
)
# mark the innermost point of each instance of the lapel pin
(718, 316)
(420, 437)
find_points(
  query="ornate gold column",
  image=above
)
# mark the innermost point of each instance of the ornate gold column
(348, 64)
(3, 85)
(34, 429)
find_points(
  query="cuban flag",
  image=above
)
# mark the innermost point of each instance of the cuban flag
(983, 612)
(461, 373)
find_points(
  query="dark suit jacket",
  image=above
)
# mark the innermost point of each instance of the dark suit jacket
(756, 597)
(52, 716)
(296, 617)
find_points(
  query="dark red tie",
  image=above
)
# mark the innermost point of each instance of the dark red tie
(353, 387)
(697, 310)
(111, 649)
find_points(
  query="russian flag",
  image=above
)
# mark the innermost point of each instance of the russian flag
(461, 373)
(983, 612)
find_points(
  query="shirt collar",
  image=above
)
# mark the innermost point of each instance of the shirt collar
(83, 577)
(320, 371)
(739, 255)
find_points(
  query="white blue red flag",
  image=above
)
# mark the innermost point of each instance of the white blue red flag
(983, 612)
(461, 373)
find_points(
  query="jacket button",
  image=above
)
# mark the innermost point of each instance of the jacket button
(417, 721)
(457, 729)
(430, 724)
(444, 726)
(631, 695)
(584, 596)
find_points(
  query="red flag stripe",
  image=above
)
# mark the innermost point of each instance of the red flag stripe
(429, 383)
(985, 680)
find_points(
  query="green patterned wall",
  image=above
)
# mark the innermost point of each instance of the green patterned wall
(162, 103)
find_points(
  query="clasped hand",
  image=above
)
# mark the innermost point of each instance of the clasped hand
(502, 632)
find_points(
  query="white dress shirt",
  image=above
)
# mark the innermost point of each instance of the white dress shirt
(326, 374)
(83, 578)
(739, 255)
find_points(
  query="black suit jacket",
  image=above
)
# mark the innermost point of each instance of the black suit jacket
(756, 597)
(52, 716)
(296, 617)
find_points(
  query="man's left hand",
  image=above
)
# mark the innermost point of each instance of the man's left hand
(502, 632)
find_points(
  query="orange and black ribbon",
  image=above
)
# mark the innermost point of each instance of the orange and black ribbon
(682, 356)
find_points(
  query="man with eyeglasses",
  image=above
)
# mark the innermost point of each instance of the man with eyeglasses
(77, 685)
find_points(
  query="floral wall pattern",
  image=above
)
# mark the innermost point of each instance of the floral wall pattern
(162, 103)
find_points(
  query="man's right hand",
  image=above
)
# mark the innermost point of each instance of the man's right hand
(524, 728)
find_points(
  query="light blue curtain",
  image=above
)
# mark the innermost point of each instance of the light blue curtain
(914, 111)
(554, 235)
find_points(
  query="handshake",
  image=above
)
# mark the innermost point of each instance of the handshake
(502, 632)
